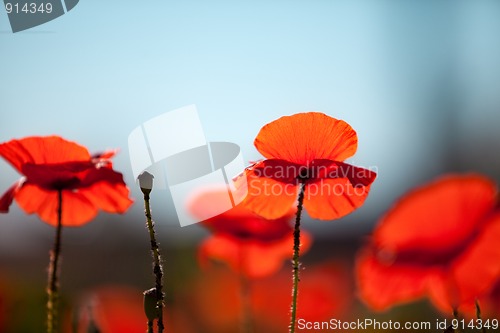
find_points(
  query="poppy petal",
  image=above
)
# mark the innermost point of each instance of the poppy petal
(77, 209)
(8, 196)
(459, 203)
(111, 198)
(356, 175)
(105, 155)
(97, 175)
(56, 176)
(244, 224)
(383, 285)
(42, 150)
(442, 292)
(303, 137)
(238, 221)
(279, 170)
(478, 268)
(330, 199)
(252, 258)
(69, 175)
(268, 197)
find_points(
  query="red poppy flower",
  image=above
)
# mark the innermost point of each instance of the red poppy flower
(51, 164)
(248, 243)
(440, 241)
(307, 148)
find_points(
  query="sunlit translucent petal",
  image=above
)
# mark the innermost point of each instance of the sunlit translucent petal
(267, 197)
(330, 199)
(41, 150)
(76, 209)
(111, 198)
(303, 137)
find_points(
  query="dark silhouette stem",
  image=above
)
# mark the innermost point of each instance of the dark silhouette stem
(53, 283)
(296, 255)
(157, 266)
(478, 315)
(457, 317)
(150, 326)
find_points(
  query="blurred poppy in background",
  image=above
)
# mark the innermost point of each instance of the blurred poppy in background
(440, 241)
(246, 242)
(326, 293)
(307, 148)
(119, 309)
(490, 305)
(213, 300)
(51, 164)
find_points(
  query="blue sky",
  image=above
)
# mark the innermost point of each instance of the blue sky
(416, 79)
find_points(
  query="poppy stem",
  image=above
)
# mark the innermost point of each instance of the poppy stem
(457, 317)
(150, 326)
(53, 283)
(157, 266)
(296, 254)
(478, 315)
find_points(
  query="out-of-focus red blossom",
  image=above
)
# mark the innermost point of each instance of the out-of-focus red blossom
(117, 309)
(307, 147)
(214, 300)
(248, 243)
(326, 292)
(491, 304)
(49, 164)
(440, 241)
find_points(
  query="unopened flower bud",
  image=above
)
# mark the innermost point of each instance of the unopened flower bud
(145, 181)
(150, 308)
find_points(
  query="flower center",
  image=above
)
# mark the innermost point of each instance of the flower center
(304, 174)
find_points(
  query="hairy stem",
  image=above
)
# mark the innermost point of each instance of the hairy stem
(157, 266)
(478, 315)
(150, 326)
(456, 316)
(295, 260)
(53, 283)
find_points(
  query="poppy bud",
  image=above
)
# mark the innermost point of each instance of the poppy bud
(145, 181)
(150, 302)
